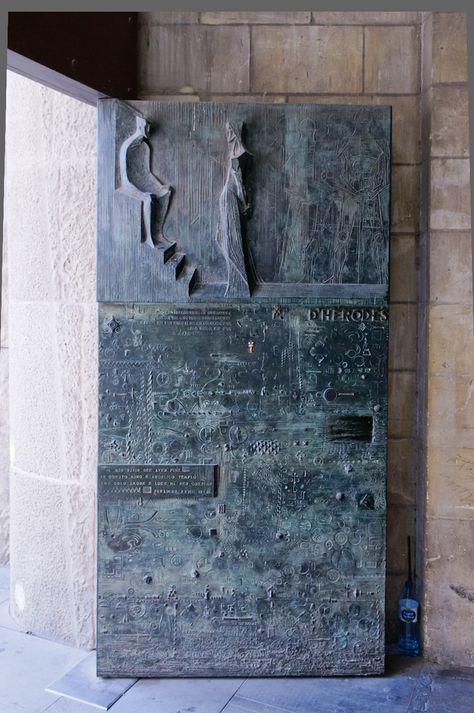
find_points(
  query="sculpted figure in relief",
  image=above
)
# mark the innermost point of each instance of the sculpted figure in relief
(138, 181)
(232, 206)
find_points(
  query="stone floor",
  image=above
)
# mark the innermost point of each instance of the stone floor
(29, 664)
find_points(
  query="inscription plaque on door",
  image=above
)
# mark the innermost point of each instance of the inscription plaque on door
(243, 329)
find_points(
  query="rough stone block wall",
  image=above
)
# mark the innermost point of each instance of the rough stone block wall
(446, 301)
(330, 57)
(50, 228)
(4, 430)
(326, 58)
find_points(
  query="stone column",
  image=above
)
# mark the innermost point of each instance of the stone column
(50, 219)
(4, 445)
(448, 599)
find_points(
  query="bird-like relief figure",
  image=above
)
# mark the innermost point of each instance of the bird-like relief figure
(138, 181)
(233, 206)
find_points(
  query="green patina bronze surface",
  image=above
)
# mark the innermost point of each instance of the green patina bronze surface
(271, 559)
(243, 407)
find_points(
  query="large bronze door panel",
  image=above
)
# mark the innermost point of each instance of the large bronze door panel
(243, 397)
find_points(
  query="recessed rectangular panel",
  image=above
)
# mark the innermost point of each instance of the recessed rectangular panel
(349, 428)
(309, 183)
(153, 482)
(242, 489)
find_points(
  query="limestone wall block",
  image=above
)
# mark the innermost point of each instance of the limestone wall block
(200, 58)
(402, 336)
(356, 99)
(449, 58)
(154, 96)
(405, 196)
(76, 344)
(249, 98)
(366, 18)
(74, 137)
(450, 268)
(426, 51)
(450, 482)
(72, 219)
(450, 121)
(400, 523)
(402, 390)
(34, 255)
(391, 61)
(167, 18)
(449, 591)
(27, 108)
(403, 268)
(4, 458)
(450, 340)
(37, 439)
(4, 291)
(54, 382)
(450, 411)
(401, 472)
(406, 127)
(54, 556)
(256, 18)
(80, 512)
(306, 59)
(41, 592)
(450, 200)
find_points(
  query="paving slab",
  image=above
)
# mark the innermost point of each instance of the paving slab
(66, 705)
(4, 584)
(243, 705)
(329, 695)
(27, 665)
(81, 684)
(5, 619)
(443, 692)
(5, 578)
(178, 695)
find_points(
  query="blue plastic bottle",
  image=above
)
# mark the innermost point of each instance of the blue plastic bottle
(408, 615)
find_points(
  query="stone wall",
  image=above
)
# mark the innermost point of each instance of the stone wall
(446, 302)
(50, 228)
(331, 57)
(4, 435)
(326, 58)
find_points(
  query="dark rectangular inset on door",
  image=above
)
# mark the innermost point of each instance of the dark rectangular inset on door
(349, 428)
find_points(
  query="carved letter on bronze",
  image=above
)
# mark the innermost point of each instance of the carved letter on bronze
(242, 415)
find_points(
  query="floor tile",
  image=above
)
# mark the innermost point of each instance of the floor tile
(243, 705)
(443, 693)
(333, 695)
(12, 708)
(175, 695)
(5, 578)
(82, 685)
(27, 665)
(66, 705)
(5, 619)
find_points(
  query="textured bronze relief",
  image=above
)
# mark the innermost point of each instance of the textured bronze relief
(243, 395)
(233, 205)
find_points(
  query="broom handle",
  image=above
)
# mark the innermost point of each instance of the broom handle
(409, 558)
